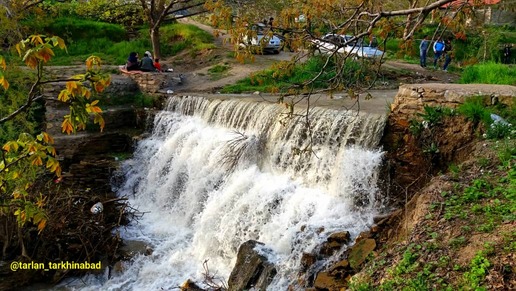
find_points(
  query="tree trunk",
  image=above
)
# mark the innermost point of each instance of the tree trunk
(410, 20)
(155, 38)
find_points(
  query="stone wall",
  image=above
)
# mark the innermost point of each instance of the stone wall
(148, 82)
(409, 167)
(412, 98)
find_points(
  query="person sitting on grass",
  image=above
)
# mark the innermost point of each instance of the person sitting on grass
(132, 62)
(147, 64)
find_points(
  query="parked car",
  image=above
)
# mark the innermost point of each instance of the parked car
(341, 43)
(263, 41)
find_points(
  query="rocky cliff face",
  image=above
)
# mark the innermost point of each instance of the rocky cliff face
(409, 167)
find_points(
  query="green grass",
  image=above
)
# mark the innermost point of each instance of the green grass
(111, 41)
(177, 37)
(489, 73)
(283, 77)
(218, 71)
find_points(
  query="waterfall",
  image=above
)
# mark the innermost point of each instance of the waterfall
(216, 173)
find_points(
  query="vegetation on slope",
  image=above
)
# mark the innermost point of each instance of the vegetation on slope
(458, 233)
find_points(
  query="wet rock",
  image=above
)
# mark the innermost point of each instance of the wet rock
(360, 251)
(189, 285)
(132, 248)
(363, 235)
(329, 248)
(340, 237)
(252, 270)
(334, 243)
(307, 260)
(325, 281)
(342, 265)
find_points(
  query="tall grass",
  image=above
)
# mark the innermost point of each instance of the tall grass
(489, 73)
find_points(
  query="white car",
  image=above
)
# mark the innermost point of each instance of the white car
(263, 40)
(342, 44)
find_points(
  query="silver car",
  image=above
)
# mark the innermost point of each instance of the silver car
(331, 43)
(263, 41)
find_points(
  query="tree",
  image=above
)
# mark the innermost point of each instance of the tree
(25, 159)
(158, 11)
(308, 20)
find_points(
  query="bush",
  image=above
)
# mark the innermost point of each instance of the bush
(489, 73)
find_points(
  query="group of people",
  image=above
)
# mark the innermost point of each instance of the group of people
(440, 48)
(146, 64)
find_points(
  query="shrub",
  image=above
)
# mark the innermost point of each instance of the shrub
(489, 73)
(475, 110)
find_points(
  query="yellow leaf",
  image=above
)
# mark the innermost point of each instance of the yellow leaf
(37, 161)
(36, 39)
(71, 85)
(18, 48)
(95, 109)
(63, 96)
(2, 63)
(67, 126)
(94, 102)
(42, 224)
(58, 170)
(47, 138)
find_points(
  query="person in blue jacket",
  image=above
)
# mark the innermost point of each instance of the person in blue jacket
(438, 50)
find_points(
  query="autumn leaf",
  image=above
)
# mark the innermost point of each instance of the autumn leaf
(71, 85)
(63, 96)
(36, 39)
(37, 161)
(67, 125)
(2, 63)
(3, 82)
(42, 224)
(45, 54)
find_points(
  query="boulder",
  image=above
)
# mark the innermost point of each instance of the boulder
(360, 251)
(325, 281)
(252, 270)
(334, 243)
(189, 285)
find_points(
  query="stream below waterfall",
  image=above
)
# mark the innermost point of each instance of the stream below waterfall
(216, 173)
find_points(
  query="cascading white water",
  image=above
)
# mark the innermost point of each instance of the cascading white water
(205, 188)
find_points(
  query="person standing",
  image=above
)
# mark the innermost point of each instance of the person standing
(438, 50)
(447, 54)
(423, 48)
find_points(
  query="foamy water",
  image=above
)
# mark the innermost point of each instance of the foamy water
(200, 208)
